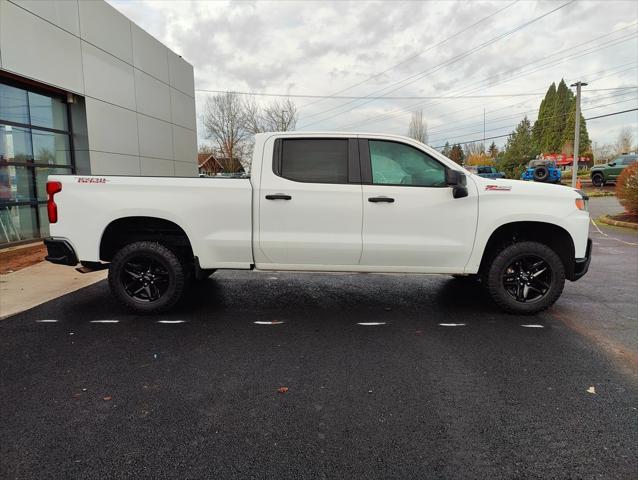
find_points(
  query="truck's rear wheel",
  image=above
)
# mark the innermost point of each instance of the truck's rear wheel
(146, 277)
(525, 278)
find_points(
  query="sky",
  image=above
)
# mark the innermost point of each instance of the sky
(504, 54)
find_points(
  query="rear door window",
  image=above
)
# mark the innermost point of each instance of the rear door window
(315, 160)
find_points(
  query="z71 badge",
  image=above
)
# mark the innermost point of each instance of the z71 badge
(504, 188)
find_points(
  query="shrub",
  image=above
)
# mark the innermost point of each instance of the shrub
(627, 189)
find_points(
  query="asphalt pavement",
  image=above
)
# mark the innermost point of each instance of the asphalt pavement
(388, 376)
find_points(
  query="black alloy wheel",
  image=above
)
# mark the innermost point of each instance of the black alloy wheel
(144, 279)
(527, 279)
(524, 277)
(147, 277)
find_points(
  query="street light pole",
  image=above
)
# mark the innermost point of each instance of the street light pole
(576, 133)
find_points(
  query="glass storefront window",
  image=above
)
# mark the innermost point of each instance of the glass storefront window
(47, 112)
(15, 144)
(16, 184)
(18, 223)
(27, 145)
(51, 148)
(13, 104)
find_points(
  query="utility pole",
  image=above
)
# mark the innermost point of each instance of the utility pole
(483, 129)
(576, 133)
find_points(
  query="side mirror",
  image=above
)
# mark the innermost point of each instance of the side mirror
(612, 164)
(457, 181)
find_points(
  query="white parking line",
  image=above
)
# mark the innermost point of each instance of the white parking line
(171, 321)
(452, 324)
(47, 321)
(533, 325)
(273, 322)
(370, 324)
(105, 321)
(612, 238)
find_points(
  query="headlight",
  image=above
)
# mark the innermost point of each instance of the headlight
(583, 202)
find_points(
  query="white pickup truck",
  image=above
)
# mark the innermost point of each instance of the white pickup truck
(329, 202)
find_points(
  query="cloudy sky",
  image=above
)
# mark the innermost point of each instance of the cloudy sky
(504, 54)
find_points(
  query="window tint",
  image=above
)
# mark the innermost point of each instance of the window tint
(315, 160)
(630, 160)
(400, 164)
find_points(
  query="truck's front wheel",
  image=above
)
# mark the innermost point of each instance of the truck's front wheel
(146, 277)
(525, 277)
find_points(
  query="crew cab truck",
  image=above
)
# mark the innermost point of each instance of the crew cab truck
(326, 202)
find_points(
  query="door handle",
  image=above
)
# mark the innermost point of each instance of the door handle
(278, 196)
(381, 199)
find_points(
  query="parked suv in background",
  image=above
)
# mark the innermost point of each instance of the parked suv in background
(609, 172)
(485, 171)
(542, 171)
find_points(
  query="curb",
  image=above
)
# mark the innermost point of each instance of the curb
(616, 223)
(600, 194)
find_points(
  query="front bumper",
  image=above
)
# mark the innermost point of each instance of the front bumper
(581, 265)
(60, 251)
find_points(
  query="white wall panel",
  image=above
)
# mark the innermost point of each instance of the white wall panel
(105, 163)
(181, 74)
(105, 27)
(152, 96)
(107, 77)
(156, 139)
(182, 109)
(185, 169)
(184, 144)
(111, 128)
(149, 55)
(64, 14)
(34, 48)
(157, 167)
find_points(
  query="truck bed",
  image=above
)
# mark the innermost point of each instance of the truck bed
(215, 213)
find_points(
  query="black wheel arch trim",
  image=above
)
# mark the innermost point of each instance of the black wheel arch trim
(60, 251)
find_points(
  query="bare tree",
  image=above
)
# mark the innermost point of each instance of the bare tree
(280, 116)
(625, 141)
(224, 123)
(418, 128)
(253, 116)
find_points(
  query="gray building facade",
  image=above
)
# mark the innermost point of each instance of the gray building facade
(84, 90)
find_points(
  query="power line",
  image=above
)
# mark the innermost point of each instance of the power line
(440, 132)
(611, 114)
(509, 134)
(423, 74)
(428, 97)
(412, 57)
(487, 80)
(470, 90)
(546, 118)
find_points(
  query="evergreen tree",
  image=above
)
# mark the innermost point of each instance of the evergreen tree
(568, 135)
(493, 150)
(519, 150)
(539, 131)
(456, 154)
(446, 149)
(553, 138)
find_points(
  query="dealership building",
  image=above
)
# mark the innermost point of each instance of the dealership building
(84, 90)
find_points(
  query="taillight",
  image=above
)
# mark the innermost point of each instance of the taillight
(52, 208)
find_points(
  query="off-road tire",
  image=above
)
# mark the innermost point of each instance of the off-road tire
(541, 174)
(157, 253)
(598, 180)
(494, 274)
